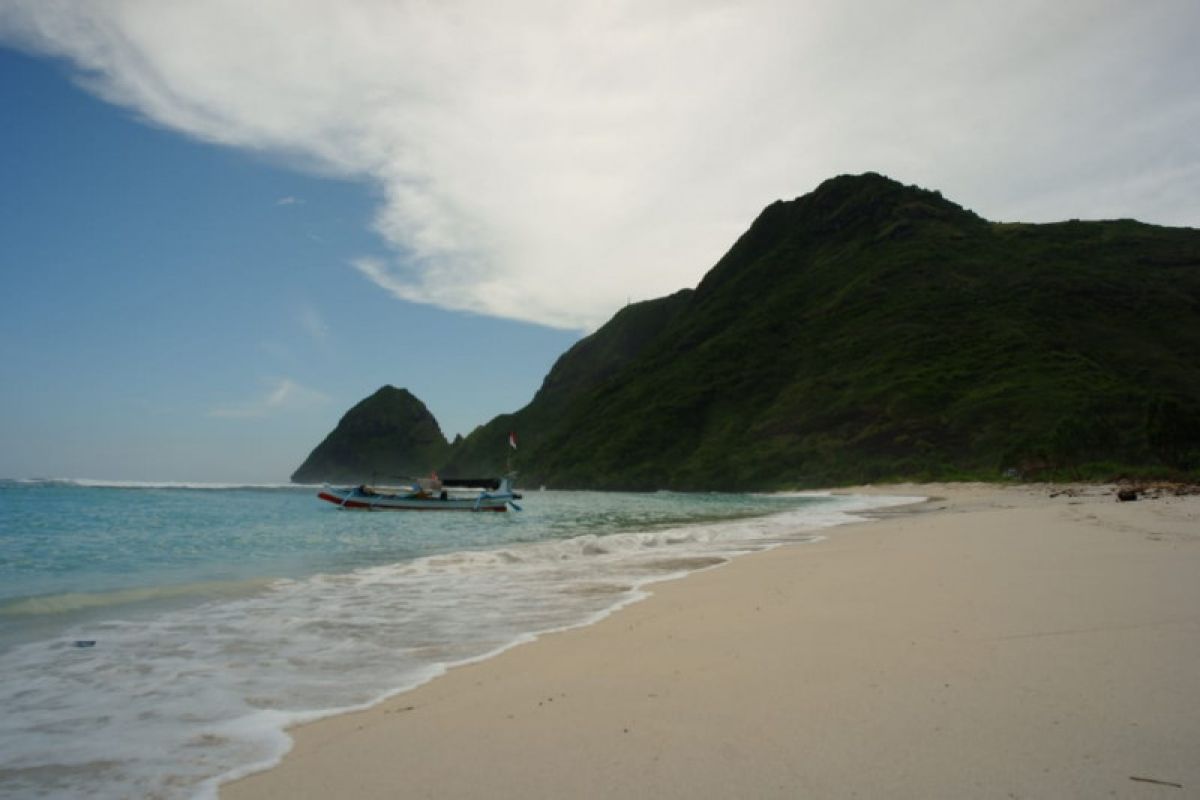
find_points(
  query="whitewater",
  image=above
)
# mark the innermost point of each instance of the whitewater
(158, 639)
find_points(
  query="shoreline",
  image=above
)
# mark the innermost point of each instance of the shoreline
(777, 674)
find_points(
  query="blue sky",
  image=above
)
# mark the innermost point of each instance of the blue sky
(179, 311)
(224, 223)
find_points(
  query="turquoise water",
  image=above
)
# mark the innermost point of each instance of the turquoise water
(221, 614)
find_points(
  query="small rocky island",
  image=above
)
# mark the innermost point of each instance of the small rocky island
(389, 435)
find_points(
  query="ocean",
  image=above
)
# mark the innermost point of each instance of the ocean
(157, 639)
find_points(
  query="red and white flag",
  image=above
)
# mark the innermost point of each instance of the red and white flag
(512, 440)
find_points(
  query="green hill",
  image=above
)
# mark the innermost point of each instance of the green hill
(871, 331)
(389, 435)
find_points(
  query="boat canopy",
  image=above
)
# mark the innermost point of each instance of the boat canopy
(471, 483)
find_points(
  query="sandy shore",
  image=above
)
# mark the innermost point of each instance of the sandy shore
(997, 642)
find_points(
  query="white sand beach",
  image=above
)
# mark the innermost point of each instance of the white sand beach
(994, 642)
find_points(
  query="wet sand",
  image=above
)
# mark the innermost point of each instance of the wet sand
(993, 642)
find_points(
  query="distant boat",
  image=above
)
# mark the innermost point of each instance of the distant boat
(428, 494)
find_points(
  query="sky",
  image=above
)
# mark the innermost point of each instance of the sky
(224, 223)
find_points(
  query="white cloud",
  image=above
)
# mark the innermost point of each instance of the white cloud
(289, 200)
(547, 161)
(280, 394)
(313, 323)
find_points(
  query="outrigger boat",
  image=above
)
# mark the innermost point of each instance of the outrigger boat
(428, 494)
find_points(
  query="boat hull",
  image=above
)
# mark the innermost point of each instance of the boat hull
(355, 501)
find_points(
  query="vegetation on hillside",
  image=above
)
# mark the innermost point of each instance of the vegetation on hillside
(387, 436)
(872, 331)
